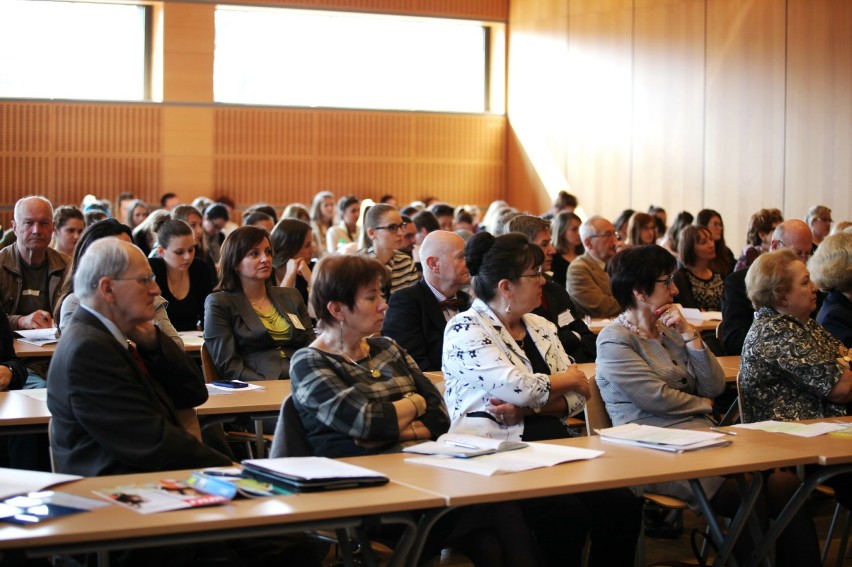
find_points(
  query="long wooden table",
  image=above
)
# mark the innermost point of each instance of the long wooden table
(114, 527)
(192, 341)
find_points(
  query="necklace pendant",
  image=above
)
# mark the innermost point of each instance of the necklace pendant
(375, 373)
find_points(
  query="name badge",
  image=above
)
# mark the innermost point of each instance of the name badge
(33, 292)
(565, 318)
(296, 321)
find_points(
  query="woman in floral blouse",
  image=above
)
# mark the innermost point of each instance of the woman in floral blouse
(508, 377)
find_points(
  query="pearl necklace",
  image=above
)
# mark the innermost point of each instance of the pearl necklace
(633, 328)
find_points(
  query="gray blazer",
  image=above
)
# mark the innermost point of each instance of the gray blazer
(239, 344)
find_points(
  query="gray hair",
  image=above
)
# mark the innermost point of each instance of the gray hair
(831, 265)
(816, 211)
(587, 229)
(19, 205)
(107, 257)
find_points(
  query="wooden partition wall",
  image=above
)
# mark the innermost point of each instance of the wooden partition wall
(733, 105)
(188, 145)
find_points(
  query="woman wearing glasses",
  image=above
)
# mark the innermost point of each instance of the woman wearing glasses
(383, 235)
(508, 377)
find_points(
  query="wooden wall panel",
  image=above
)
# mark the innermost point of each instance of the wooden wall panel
(24, 128)
(599, 99)
(668, 105)
(264, 131)
(744, 167)
(819, 107)
(363, 135)
(472, 9)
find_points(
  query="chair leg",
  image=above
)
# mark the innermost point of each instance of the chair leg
(844, 540)
(830, 533)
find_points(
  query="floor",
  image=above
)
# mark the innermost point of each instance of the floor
(662, 552)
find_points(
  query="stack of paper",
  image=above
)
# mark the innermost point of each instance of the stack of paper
(662, 438)
(534, 456)
(797, 429)
(460, 445)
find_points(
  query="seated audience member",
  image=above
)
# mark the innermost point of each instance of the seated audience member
(500, 225)
(641, 230)
(251, 328)
(191, 216)
(499, 344)
(31, 275)
(556, 305)
(620, 224)
(564, 202)
(169, 201)
(653, 369)
(359, 394)
(724, 261)
(819, 221)
(588, 282)
(661, 219)
(737, 310)
(296, 211)
(464, 224)
(831, 269)
(424, 224)
(382, 237)
(565, 237)
(842, 226)
(698, 286)
(389, 200)
(122, 205)
(68, 299)
(137, 212)
(346, 231)
(494, 210)
(445, 215)
(145, 233)
(263, 208)
(322, 219)
(68, 225)
(409, 242)
(417, 315)
(184, 280)
(791, 367)
(293, 242)
(115, 412)
(758, 236)
(671, 239)
(229, 203)
(214, 220)
(260, 220)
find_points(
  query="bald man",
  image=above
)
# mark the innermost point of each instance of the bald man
(417, 315)
(737, 310)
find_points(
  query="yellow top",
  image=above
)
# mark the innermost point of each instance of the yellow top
(277, 325)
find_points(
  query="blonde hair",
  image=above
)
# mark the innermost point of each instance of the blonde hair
(769, 278)
(831, 265)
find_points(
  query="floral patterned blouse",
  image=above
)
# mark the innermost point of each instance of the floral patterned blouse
(788, 369)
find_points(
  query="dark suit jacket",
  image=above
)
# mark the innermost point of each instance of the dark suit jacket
(415, 320)
(555, 300)
(737, 313)
(836, 316)
(109, 417)
(241, 347)
(8, 356)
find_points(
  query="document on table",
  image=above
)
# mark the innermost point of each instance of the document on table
(693, 314)
(793, 428)
(16, 481)
(214, 389)
(38, 337)
(535, 456)
(663, 438)
(39, 394)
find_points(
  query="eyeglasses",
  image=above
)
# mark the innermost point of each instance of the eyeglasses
(606, 235)
(538, 274)
(803, 255)
(821, 219)
(392, 228)
(668, 280)
(144, 280)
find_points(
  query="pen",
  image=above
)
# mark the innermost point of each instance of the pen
(462, 445)
(720, 430)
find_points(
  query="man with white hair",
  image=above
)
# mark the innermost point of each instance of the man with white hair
(417, 315)
(587, 280)
(114, 405)
(31, 273)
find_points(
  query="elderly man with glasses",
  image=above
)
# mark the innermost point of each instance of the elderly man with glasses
(587, 280)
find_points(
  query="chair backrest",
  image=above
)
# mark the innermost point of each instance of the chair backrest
(719, 330)
(596, 415)
(50, 445)
(293, 440)
(207, 366)
(740, 398)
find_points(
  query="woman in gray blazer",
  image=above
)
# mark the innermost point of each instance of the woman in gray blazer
(250, 328)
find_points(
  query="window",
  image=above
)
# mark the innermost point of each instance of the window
(73, 50)
(330, 59)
